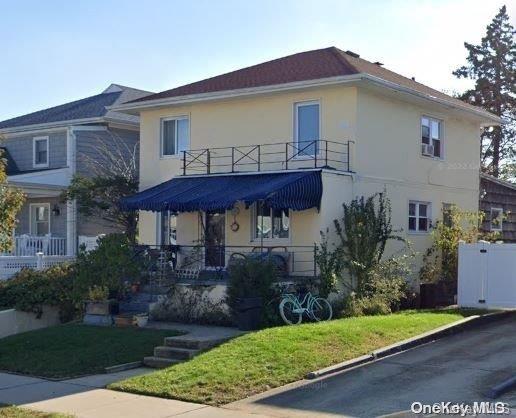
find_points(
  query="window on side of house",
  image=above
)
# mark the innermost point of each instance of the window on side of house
(271, 223)
(40, 219)
(307, 129)
(496, 222)
(447, 214)
(419, 216)
(40, 151)
(431, 137)
(175, 136)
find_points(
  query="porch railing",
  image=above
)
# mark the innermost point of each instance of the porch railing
(205, 262)
(268, 157)
(29, 245)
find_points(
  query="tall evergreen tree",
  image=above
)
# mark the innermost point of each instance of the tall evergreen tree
(492, 65)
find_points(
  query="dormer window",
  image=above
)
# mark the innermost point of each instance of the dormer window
(431, 137)
(40, 151)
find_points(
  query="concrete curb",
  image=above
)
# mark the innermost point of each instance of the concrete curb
(501, 388)
(433, 335)
(121, 367)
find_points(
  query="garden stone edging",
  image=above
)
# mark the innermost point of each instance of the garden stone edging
(426, 337)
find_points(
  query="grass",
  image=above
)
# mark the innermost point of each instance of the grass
(76, 349)
(262, 360)
(15, 412)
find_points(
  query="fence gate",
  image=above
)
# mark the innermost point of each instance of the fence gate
(487, 275)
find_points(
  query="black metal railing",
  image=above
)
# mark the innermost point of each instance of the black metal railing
(166, 263)
(268, 157)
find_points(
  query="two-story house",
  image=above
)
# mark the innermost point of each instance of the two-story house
(262, 158)
(45, 149)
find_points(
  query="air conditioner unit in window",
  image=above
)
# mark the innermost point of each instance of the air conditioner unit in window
(427, 149)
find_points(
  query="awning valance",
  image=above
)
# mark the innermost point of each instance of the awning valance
(292, 190)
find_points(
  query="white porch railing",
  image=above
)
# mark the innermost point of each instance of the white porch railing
(11, 264)
(29, 245)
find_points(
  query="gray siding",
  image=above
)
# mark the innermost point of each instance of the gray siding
(495, 195)
(57, 223)
(21, 147)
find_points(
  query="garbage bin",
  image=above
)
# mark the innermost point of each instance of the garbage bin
(248, 313)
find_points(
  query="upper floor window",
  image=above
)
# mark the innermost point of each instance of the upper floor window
(40, 151)
(271, 223)
(175, 136)
(431, 137)
(307, 128)
(496, 222)
(419, 216)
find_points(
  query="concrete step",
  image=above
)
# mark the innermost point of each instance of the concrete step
(159, 362)
(193, 343)
(174, 353)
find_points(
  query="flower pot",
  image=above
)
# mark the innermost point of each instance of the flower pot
(141, 320)
(248, 313)
(101, 307)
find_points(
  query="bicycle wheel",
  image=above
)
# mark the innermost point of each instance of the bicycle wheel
(321, 309)
(286, 309)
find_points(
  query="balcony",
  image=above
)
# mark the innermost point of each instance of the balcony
(268, 157)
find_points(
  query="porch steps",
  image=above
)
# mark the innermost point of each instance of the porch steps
(138, 303)
(178, 349)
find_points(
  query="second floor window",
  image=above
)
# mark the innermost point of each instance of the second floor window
(271, 223)
(175, 136)
(431, 137)
(40, 151)
(307, 129)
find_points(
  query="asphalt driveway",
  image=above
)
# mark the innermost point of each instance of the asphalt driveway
(460, 368)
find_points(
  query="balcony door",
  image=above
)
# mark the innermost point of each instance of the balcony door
(215, 239)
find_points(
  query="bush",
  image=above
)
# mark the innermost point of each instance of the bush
(367, 305)
(254, 277)
(109, 265)
(29, 290)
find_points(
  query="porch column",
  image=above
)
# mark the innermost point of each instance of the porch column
(71, 227)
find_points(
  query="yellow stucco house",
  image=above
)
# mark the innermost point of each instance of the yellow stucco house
(262, 158)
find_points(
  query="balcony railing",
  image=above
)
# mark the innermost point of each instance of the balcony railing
(268, 157)
(29, 245)
(166, 263)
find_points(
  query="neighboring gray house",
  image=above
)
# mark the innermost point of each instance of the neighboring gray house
(45, 149)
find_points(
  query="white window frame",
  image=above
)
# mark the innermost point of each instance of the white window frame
(441, 135)
(161, 135)
(159, 226)
(297, 105)
(254, 224)
(500, 228)
(417, 217)
(32, 222)
(37, 139)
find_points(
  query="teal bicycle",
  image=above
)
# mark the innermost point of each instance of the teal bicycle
(292, 308)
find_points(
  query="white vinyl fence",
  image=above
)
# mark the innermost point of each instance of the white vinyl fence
(10, 264)
(487, 275)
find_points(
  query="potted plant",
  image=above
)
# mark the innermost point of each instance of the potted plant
(250, 284)
(141, 320)
(98, 302)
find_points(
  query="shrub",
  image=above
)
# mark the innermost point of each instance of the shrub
(366, 305)
(98, 293)
(29, 290)
(254, 277)
(109, 265)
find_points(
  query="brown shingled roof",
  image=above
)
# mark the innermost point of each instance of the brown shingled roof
(310, 65)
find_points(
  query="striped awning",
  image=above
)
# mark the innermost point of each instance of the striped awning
(287, 190)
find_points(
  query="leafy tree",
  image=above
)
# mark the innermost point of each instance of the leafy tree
(492, 65)
(113, 174)
(11, 201)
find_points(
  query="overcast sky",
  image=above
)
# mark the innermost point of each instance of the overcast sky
(58, 51)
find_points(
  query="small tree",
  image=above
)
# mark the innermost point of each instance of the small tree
(364, 232)
(440, 262)
(113, 174)
(11, 201)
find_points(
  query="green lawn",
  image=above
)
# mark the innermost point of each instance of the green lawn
(272, 357)
(76, 349)
(15, 412)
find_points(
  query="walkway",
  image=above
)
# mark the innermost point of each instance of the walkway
(85, 397)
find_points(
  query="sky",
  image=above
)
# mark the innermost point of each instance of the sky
(56, 51)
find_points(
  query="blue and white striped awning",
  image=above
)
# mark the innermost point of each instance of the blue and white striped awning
(293, 190)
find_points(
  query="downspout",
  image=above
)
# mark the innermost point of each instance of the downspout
(71, 206)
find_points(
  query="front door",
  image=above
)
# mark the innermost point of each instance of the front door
(215, 238)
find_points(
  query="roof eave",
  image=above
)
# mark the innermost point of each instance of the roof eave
(64, 124)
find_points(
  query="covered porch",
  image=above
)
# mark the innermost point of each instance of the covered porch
(195, 227)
